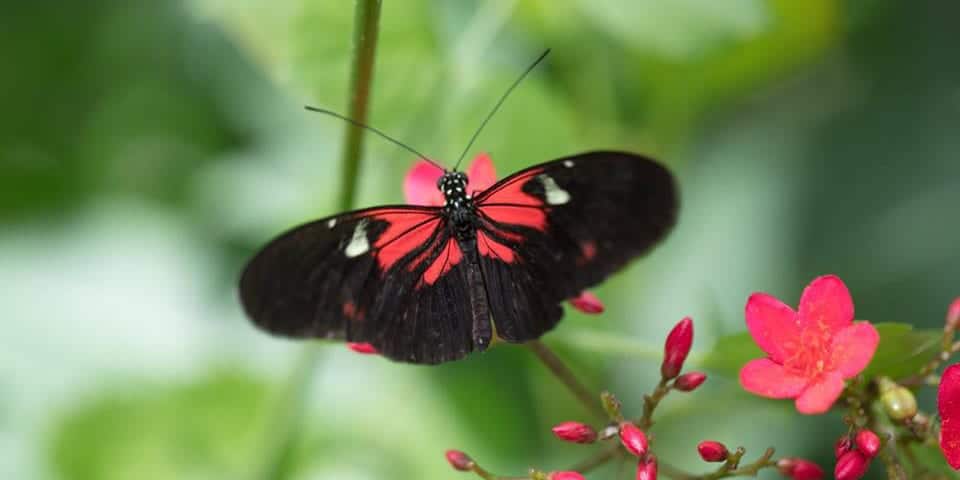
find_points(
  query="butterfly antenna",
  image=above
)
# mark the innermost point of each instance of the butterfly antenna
(500, 102)
(378, 132)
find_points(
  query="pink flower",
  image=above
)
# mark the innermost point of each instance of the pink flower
(633, 439)
(953, 314)
(575, 432)
(948, 404)
(647, 468)
(689, 382)
(364, 348)
(587, 302)
(564, 476)
(420, 188)
(851, 466)
(711, 451)
(800, 469)
(459, 460)
(676, 348)
(810, 352)
(868, 443)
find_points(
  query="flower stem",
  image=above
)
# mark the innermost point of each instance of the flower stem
(285, 428)
(563, 373)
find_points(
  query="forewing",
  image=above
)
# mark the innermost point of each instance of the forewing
(552, 230)
(360, 276)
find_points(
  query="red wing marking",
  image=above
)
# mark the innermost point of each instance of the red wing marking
(525, 215)
(449, 256)
(508, 203)
(404, 234)
(350, 311)
(588, 250)
(494, 249)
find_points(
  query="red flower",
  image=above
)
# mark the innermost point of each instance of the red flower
(948, 403)
(711, 451)
(420, 188)
(575, 432)
(676, 348)
(459, 460)
(565, 476)
(364, 348)
(851, 466)
(647, 468)
(633, 439)
(811, 352)
(800, 469)
(689, 382)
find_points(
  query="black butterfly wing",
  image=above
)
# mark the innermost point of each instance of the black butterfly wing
(390, 276)
(550, 231)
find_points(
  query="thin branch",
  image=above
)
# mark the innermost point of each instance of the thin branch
(560, 370)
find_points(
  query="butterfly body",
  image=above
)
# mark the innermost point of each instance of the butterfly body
(430, 284)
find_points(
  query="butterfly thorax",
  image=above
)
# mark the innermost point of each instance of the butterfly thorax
(458, 204)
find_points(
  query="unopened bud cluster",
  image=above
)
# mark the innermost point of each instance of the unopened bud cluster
(854, 456)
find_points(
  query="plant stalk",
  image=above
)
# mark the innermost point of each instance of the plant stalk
(285, 429)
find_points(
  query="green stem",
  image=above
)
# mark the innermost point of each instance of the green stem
(366, 22)
(286, 426)
(560, 370)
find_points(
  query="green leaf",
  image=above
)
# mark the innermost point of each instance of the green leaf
(902, 351)
(931, 460)
(730, 353)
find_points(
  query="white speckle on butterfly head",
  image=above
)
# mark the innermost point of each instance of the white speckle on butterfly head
(555, 195)
(331, 223)
(568, 163)
(358, 243)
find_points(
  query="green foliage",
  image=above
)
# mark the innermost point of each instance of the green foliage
(902, 351)
(203, 429)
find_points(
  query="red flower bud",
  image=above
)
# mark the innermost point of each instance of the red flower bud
(799, 469)
(711, 451)
(459, 460)
(633, 439)
(676, 348)
(565, 476)
(689, 382)
(364, 348)
(851, 466)
(587, 302)
(647, 468)
(843, 445)
(868, 443)
(575, 432)
(953, 314)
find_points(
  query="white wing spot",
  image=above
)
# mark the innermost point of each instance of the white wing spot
(568, 163)
(331, 223)
(358, 243)
(555, 194)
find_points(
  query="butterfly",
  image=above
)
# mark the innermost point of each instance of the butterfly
(431, 284)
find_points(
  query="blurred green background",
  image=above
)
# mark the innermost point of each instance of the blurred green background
(147, 148)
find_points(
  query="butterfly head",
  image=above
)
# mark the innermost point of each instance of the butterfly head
(453, 186)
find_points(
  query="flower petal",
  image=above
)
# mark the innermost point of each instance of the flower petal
(772, 325)
(948, 403)
(587, 302)
(853, 348)
(420, 185)
(820, 394)
(826, 305)
(481, 173)
(768, 379)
